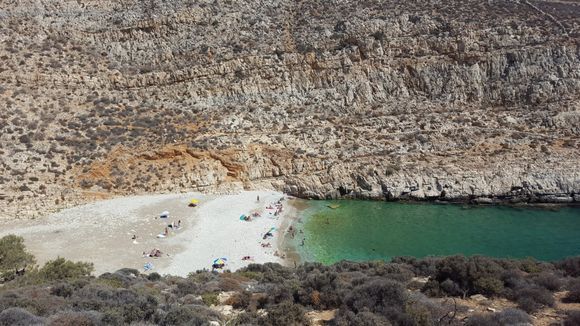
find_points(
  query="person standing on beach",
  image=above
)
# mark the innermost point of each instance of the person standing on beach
(258, 198)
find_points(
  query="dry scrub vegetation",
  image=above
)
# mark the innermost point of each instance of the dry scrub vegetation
(310, 96)
(453, 290)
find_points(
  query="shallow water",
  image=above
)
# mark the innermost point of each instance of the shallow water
(365, 230)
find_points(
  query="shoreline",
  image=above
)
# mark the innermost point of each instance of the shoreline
(101, 232)
(479, 201)
(22, 211)
(225, 235)
(286, 243)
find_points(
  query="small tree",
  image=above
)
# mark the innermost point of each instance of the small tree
(61, 268)
(13, 256)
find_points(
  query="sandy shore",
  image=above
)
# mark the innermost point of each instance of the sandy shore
(102, 232)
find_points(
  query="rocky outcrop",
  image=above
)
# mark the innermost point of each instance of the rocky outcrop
(452, 100)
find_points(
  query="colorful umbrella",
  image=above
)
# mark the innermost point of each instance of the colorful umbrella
(220, 261)
(194, 201)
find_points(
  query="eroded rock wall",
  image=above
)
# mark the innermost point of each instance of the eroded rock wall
(447, 100)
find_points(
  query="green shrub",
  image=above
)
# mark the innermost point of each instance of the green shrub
(188, 315)
(210, 298)
(574, 292)
(75, 318)
(419, 314)
(251, 275)
(285, 313)
(18, 317)
(570, 266)
(37, 300)
(531, 299)
(469, 275)
(64, 290)
(13, 256)
(112, 317)
(246, 319)
(61, 268)
(573, 319)
(110, 282)
(548, 281)
(377, 296)
(186, 286)
(129, 272)
(488, 286)
(240, 300)
(530, 265)
(506, 317)
(154, 277)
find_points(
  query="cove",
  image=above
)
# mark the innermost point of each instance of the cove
(367, 230)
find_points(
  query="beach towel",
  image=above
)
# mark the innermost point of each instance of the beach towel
(148, 266)
(161, 235)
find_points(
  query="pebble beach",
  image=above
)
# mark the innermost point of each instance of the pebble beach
(121, 232)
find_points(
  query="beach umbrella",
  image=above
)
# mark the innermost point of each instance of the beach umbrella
(164, 214)
(220, 261)
(194, 201)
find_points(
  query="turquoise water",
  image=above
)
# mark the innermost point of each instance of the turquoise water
(364, 230)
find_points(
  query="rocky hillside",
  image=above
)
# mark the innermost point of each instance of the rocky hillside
(450, 100)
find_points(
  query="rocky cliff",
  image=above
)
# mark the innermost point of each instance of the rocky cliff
(449, 100)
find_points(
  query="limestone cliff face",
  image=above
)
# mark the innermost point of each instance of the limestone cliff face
(447, 100)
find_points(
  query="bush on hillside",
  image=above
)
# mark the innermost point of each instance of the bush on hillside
(61, 268)
(425, 311)
(246, 319)
(154, 277)
(503, 318)
(76, 318)
(363, 318)
(574, 292)
(18, 317)
(62, 289)
(13, 256)
(386, 298)
(365, 293)
(573, 319)
(421, 267)
(285, 313)
(240, 300)
(549, 281)
(531, 299)
(570, 266)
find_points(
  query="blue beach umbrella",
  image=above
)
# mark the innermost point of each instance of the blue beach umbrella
(220, 261)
